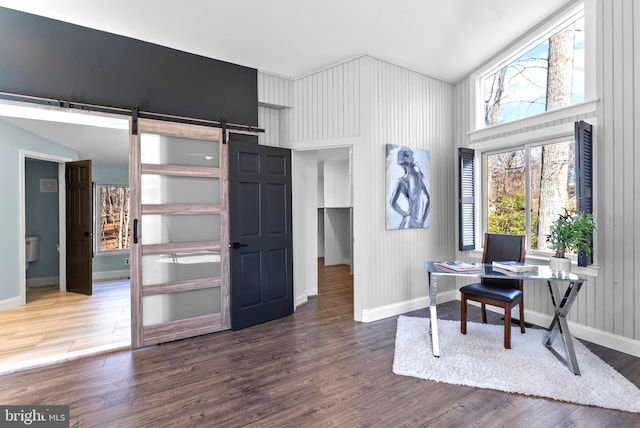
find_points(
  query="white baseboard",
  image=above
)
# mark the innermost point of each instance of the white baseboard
(602, 338)
(110, 274)
(300, 301)
(599, 337)
(395, 309)
(43, 281)
(10, 303)
(369, 315)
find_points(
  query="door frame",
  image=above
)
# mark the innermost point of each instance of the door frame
(62, 227)
(303, 269)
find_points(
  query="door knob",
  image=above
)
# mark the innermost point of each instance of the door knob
(237, 245)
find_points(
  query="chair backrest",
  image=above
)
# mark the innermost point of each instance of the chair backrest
(500, 247)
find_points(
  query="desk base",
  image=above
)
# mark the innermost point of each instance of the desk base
(560, 325)
(433, 324)
(433, 331)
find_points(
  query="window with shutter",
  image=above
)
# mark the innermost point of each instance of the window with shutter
(584, 179)
(466, 200)
(530, 185)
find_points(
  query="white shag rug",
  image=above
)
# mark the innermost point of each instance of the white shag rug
(479, 359)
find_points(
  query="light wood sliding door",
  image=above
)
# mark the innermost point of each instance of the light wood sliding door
(179, 206)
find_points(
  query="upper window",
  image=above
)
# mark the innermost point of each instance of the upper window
(546, 75)
(112, 218)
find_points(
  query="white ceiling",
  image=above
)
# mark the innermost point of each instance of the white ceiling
(446, 39)
(104, 146)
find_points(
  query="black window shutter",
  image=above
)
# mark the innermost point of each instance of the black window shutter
(466, 200)
(584, 179)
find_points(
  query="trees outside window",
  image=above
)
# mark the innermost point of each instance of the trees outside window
(538, 179)
(112, 216)
(528, 187)
(546, 77)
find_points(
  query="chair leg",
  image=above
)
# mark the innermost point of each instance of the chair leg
(507, 326)
(521, 316)
(463, 314)
(484, 313)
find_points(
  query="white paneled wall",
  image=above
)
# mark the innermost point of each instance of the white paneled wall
(606, 310)
(372, 103)
(275, 96)
(409, 109)
(369, 103)
(614, 299)
(269, 120)
(326, 104)
(275, 90)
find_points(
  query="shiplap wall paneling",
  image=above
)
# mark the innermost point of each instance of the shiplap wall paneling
(633, 327)
(275, 100)
(327, 104)
(275, 90)
(618, 286)
(409, 109)
(269, 120)
(608, 302)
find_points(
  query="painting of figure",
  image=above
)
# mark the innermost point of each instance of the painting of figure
(408, 199)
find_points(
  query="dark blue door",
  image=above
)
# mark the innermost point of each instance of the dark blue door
(260, 233)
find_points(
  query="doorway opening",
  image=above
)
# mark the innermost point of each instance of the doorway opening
(52, 324)
(318, 213)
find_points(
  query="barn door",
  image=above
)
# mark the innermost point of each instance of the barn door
(179, 256)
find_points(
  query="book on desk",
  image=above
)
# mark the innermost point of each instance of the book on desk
(458, 266)
(513, 266)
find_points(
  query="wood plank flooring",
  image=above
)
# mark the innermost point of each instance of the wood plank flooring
(316, 368)
(55, 326)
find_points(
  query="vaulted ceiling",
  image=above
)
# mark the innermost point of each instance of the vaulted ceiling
(441, 39)
(445, 40)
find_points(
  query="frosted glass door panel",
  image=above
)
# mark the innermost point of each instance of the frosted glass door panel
(173, 229)
(166, 189)
(168, 268)
(165, 150)
(163, 308)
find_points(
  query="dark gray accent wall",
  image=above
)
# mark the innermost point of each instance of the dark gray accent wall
(52, 59)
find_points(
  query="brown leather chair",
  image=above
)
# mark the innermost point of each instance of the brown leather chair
(504, 293)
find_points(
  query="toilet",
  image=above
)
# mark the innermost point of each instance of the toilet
(32, 249)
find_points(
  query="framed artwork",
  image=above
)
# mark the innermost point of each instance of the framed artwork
(407, 186)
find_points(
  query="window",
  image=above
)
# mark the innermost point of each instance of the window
(546, 75)
(539, 179)
(528, 187)
(112, 218)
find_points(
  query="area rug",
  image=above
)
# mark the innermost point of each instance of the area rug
(479, 359)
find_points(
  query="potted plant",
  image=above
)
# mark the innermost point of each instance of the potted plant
(570, 232)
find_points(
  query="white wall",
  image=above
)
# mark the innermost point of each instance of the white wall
(12, 140)
(366, 103)
(408, 109)
(614, 297)
(605, 311)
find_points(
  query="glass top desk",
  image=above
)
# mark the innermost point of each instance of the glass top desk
(561, 303)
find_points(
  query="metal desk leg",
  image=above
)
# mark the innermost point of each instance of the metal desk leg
(433, 326)
(559, 324)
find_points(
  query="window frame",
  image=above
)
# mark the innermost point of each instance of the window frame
(531, 39)
(97, 235)
(526, 147)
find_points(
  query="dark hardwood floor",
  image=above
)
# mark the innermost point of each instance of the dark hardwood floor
(316, 368)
